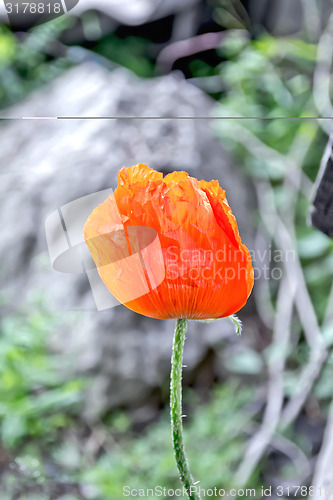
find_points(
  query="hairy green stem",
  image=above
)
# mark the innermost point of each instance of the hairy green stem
(176, 409)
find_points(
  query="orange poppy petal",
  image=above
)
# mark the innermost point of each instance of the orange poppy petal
(178, 237)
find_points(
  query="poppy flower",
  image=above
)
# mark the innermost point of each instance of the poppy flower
(169, 247)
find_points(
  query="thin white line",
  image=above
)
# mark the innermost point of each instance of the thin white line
(39, 118)
(194, 118)
(166, 117)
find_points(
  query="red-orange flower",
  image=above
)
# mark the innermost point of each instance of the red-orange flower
(170, 247)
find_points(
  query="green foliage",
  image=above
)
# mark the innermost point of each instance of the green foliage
(246, 361)
(230, 14)
(141, 460)
(130, 52)
(271, 78)
(146, 461)
(29, 60)
(36, 398)
(268, 77)
(26, 60)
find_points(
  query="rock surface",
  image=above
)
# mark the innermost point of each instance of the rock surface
(45, 164)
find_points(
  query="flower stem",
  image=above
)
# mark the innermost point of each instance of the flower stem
(176, 409)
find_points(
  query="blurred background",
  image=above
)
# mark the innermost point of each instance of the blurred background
(84, 394)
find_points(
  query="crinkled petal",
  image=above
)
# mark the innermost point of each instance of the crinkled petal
(193, 261)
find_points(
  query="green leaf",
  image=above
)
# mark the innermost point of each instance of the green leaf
(246, 361)
(313, 245)
(13, 427)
